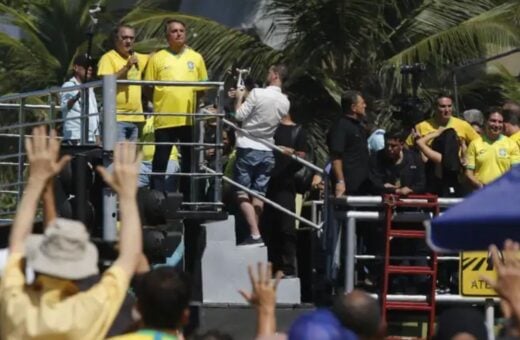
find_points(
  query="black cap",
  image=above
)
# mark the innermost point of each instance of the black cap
(82, 60)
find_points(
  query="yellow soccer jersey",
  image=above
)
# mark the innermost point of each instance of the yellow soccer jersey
(168, 66)
(128, 98)
(516, 138)
(464, 130)
(149, 136)
(491, 160)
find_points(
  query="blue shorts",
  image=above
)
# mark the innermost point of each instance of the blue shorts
(253, 169)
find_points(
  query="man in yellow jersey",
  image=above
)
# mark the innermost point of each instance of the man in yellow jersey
(177, 62)
(511, 113)
(125, 64)
(492, 155)
(443, 179)
(443, 117)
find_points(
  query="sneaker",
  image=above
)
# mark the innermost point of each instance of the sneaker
(251, 242)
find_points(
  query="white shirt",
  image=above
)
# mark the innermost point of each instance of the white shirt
(260, 115)
(72, 128)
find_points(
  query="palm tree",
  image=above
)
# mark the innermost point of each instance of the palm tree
(52, 33)
(334, 45)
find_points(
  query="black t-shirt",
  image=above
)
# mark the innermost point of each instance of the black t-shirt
(347, 139)
(285, 167)
(408, 173)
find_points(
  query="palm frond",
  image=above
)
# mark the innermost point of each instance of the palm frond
(221, 47)
(467, 40)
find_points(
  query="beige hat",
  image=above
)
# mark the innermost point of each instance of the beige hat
(63, 251)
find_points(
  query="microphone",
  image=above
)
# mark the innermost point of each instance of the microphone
(132, 52)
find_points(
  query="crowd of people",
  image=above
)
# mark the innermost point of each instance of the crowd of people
(443, 155)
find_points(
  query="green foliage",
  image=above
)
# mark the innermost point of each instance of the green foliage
(329, 46)
(52, 33)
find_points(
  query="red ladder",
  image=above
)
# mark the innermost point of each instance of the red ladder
(429, 204)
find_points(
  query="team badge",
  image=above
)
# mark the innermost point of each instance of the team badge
(502, 152)
(191, 65)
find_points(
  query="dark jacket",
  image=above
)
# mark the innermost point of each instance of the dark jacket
(409, 173)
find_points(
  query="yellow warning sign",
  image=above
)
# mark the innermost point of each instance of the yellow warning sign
(473, 265)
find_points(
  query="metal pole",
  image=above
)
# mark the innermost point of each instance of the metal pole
(267, 201)
(21, 117)
(490, 318)
(197, 157)
(326, 199)
(314, 212)
(52, 112)
(217, 182)
(84, 120)
(350, 251)
(109, 141)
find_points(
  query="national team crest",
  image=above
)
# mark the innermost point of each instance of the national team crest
(502, 152)
(191, 65)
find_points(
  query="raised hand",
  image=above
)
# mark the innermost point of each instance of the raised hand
(263, 297)
(507, 284)
(123, 178)
(263, 293)
(43, 155)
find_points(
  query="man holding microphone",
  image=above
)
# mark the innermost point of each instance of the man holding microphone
(125, 64)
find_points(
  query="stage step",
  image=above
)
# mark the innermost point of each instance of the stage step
(224, 267)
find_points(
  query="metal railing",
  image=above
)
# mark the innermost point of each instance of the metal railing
(109, 83)
(352, 217)
(109, 87)
(274, 147)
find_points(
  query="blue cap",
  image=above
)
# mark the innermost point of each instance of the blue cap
(320, 324)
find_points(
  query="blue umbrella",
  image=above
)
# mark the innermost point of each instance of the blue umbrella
(489, 216)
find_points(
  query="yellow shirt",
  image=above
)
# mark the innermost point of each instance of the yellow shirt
(145, 334)
(128, 98)
(516, 138)
(167, 66)
(52, 308)
(464, 130)
(149, 136)
(491, 160)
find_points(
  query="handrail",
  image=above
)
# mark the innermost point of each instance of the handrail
(46, 122)
(28, 106)
(375, 201)
(56, 89)
(170, 83)
(268, 201)
(99, 83)
(275, 147)
(110, 85)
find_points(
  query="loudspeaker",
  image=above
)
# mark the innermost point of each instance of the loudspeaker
(78, 188)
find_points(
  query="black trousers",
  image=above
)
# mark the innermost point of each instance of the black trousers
(161, 156)
(279, 231)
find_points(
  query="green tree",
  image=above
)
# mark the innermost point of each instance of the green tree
(334, 45)
(52, 33)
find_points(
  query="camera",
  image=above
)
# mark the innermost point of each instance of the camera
(97, 8)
